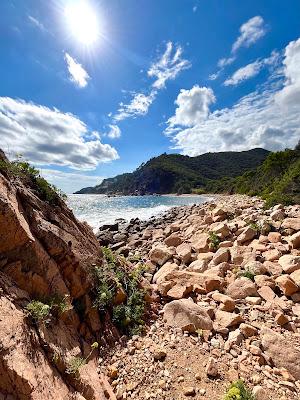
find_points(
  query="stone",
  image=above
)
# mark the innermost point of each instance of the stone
(184, 251)
(282, 352)
(235, 338)
(287, 285)
(296, 277)
(163, 271)
(274, 237)
(264, 280)
(241, 255)
(221, 230)
(277, 215)
(189, 391)
(113, 372)
(295, 240)
(228, 304)
(226, 319)
(173, 240)
(291, 223)
(260, 393)
(289, 263)
(248, 330)
(212, 368)
(281, 319)
(186, 315)
(160, 255)
(222, 255)
(198, 266)
(248, 234)
(266, 293)
(273, 268)
(200, 243)
(256, 267)
(255, 301)
(241, 288)
(159, 354)
(271, 255)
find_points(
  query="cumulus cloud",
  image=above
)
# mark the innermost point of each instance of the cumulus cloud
(268, 117)
(250, 32)
(78, 74)
(139, 105)
(47, 136)
(251, 70)
(192, 107)
(114, 132)
(70, 182)
(168, 66)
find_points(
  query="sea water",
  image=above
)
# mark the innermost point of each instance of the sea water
(98, 209)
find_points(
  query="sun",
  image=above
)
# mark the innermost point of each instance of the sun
(82, 22)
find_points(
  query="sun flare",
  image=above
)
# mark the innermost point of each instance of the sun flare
(82, 22)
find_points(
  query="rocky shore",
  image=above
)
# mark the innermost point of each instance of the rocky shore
(225, 279)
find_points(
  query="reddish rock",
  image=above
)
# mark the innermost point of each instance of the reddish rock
(274, 237)
(266, 293)
(289, 263)
(295, 240)
(287, 285)
(291, 223)
(227, 319)
(173, 240)
(184, 251)
(241, 288)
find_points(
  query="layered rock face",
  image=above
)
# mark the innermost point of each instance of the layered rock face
(45, 253)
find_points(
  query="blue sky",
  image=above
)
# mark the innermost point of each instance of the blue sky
(91, 88)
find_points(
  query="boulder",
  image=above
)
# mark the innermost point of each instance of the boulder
(282, 352)
(186, 315)
(289, 263)
(160, 275)
(184, 251)
(277, 215)
(241, 288)
(274, 237)
(227, 303)
(212, 367)
(296, 277)
(291, 223)
(248, 234)
(287, 285)
(173, 240)
(226, 319)
(222, 255)
(241, 255)
(295, 240)
(160, 254)
(200, 243)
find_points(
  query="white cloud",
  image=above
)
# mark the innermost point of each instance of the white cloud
(37, 23)
(268, 117)
(168, 66)
(192, 107)
(78, 74)
(114, 132)
(139, 105)
(47, 136)
(250, 32)
(251, 70)
(70, 182)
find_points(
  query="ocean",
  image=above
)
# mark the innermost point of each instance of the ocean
(97, 210)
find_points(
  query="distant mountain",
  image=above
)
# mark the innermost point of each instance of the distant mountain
(174, 173)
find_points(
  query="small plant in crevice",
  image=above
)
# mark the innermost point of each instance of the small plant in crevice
(238, 391)
(247, 274)
(118, 273)
(214, 240)
(39, 311)
(75, 363)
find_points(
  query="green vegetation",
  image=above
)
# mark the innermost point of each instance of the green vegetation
(214, 240)
(238, 391)
(76, 363)
(277, 180)
(43, 311)
(118, 275)
(174, 173)
(20, 169)
(38, 311)
(247, 274)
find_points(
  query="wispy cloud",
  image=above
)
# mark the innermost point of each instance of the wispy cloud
(50, 137)
(252, 69)
(167, 67)
(268, 117)
(78, 74)
(114, 132)
(38, 24)
(250, 32)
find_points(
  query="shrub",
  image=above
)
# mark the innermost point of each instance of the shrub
(247, 274)
(75, 364)
(214, 240)
(38, 311)
(238, 391)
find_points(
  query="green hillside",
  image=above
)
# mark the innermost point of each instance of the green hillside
(174, 173)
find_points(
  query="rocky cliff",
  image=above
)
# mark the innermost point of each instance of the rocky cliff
(46, 257)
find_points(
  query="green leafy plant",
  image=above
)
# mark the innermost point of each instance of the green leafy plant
(38, 311)
(59, 303)
(239, 391)
(214, 240)
(247, 274)
(117, 273)
(75, 363)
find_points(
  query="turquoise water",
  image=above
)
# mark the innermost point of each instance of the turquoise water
(100, 209)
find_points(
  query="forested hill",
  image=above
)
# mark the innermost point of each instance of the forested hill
(174, 173)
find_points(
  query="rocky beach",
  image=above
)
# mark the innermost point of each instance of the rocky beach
(223, 282)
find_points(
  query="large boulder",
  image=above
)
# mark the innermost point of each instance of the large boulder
(282, 352)
(291, 223)
(289, 263)
(187, 315)
(160, 254)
